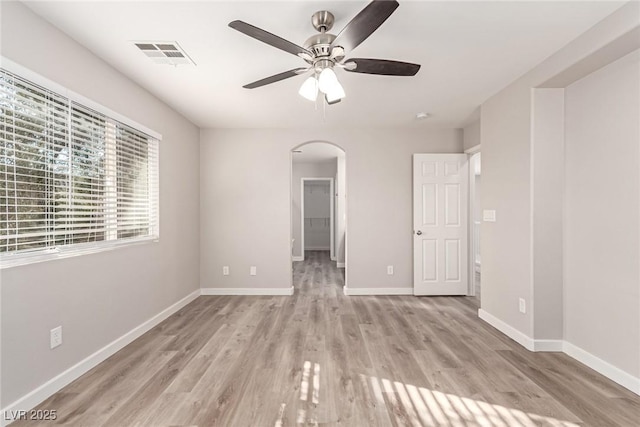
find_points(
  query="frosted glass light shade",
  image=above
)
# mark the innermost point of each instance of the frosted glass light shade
(327, 80)
(335, 93)
(309, 89)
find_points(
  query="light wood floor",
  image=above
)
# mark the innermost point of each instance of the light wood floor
(320, 358)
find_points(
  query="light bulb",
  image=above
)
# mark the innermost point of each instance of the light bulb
(309, 89)
(335, 93)
(327, 80)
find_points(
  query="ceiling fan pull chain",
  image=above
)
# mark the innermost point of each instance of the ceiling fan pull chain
(324, 110)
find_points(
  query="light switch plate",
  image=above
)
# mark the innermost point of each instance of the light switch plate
(489, 215)
(252, 270)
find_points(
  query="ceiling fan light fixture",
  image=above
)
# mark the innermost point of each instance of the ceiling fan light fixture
(327, 80)
(335, 93)
(309, 89)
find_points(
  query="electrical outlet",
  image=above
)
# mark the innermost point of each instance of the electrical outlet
(56, 337)
(390, 270)
(225, 270)
(252, 270)
(522, 305)
(489, 215)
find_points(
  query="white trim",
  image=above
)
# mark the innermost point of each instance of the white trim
(8, 260)
(40, 80)
(297, 258)
(317, 248)
(333, 258)
(378, 291)
(473, 150)
(247, 291)
(548, 345)
(341, 264)
(471, 228)
(615, 374)
(41, 393)
(508, 330)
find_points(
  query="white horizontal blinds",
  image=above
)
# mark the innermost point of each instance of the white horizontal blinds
(34, 164)
(134, 150)
(154, 186)
(69, 174)
(84, 219)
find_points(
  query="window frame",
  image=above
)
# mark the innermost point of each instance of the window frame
(13, 259)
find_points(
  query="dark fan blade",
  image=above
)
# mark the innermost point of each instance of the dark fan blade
(276, 78)
(365, 23)
(268, 38)
(384, 67)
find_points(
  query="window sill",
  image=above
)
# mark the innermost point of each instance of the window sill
(16, 260)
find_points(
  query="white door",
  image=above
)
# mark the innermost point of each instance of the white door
(440, 185)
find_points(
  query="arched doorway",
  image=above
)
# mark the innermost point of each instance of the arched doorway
(318, 215)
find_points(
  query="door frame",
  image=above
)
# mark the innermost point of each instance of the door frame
(472, 225)
(331, 214)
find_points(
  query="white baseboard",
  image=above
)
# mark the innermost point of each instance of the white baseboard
(615, 374)
(548, 345)
(297, 258)
(333, 258)
(341, 265)
(378, 291)
(621, 377)
(247, 291)
(40, 394)
(508, 330)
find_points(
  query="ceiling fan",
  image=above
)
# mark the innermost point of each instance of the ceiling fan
(324, 51)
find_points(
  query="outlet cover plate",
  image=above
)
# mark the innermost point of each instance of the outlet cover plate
(489, 215)
(56, 337)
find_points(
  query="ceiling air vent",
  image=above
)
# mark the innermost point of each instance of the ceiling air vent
(164, 53)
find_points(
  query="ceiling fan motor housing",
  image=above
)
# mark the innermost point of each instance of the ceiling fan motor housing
(320, 44)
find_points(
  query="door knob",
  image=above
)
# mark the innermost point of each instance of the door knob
(419, 233)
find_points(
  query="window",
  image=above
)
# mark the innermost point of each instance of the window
(71, 178)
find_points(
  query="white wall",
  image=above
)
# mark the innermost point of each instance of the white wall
(301, 170)
(547, 159)
(471, 135)
(602, 229)
(340, 206)
(245, 202)
(96, 298)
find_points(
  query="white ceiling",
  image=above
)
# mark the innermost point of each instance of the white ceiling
(468, 52)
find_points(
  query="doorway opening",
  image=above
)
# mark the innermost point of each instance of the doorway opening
(475, 224)
(318, 215)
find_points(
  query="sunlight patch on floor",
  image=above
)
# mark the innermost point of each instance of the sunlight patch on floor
(420, 406)
(409, 404)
